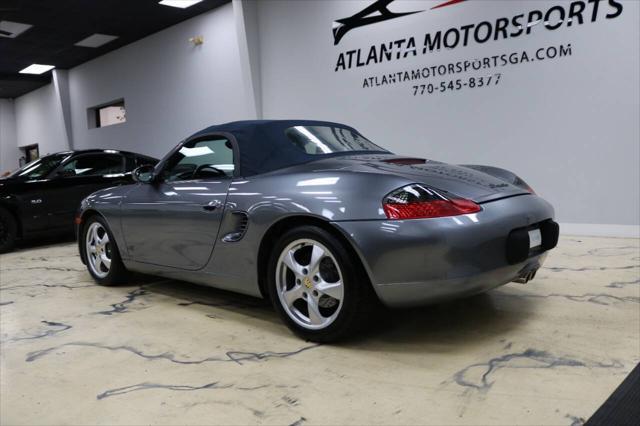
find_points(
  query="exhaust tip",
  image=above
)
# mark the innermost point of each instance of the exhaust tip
(526, 277)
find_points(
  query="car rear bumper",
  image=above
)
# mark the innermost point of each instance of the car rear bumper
(416, 262)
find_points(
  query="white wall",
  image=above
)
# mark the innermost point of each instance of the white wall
(8, 139)
(39, 120)
(570, 127)
(171, 88)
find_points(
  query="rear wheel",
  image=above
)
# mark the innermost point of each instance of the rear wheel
(101, 253)
(319, 291)
(8, 231)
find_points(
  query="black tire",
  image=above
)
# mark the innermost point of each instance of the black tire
(358, 299)
(8, 231)
(117, 273)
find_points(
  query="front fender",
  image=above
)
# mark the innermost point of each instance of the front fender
(106, 203)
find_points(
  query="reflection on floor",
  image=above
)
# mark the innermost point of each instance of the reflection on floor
(166, 352)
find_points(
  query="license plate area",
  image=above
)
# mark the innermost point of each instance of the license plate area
(524, 243)
(535, 238)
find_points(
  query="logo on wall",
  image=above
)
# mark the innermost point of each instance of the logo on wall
(471, 72)
(368, 16)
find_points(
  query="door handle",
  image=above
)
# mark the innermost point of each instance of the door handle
(213, 205)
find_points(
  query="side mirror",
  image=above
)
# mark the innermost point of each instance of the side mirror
(144, 174)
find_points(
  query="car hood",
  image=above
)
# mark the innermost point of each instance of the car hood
(457, 180)
(10, 185)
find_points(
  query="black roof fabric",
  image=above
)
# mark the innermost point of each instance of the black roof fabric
(264, 146)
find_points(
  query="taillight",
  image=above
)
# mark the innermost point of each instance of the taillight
(419, 202)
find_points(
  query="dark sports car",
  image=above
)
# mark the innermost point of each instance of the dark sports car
(320, 220)
(43, 196)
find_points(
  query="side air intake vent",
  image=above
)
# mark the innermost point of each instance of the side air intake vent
(241, 223)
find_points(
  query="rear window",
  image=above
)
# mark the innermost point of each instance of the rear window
(318, 140)
(93, 165)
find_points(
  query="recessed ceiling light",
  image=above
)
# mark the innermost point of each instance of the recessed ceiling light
(96, 40)
(12, 29)
(182, 4)
(37, 69)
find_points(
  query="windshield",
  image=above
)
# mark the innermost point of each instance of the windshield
(39, 168)
(317, 140)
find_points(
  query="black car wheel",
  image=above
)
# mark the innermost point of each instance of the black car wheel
(8, 231)
(101, 253)
(319, 290)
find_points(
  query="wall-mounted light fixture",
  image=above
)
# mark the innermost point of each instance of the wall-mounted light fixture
(197, 40)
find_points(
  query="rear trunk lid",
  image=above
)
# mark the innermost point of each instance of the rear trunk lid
(457, 180)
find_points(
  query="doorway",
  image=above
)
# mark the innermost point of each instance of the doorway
(31, 153)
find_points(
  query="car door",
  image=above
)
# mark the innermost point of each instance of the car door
(29, 187)
(78, 177)
(34, 215)
(174, 221)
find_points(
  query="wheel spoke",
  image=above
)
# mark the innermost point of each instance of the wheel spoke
(330, 289)
(97, 261)
(92, 249)
(292, 264)
(105, 261)
(94, 235)
(292, 295)
(315, 317)
(317, 253)
(104, 239)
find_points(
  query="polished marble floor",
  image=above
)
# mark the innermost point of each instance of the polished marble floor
(166, 352)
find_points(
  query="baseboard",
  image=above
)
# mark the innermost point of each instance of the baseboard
(600, 230)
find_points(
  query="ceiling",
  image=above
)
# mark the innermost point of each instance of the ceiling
(58, 24)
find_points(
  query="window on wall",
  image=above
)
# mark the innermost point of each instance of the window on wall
(107, 114)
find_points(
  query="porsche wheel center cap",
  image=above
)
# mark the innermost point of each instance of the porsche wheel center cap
(307, 283)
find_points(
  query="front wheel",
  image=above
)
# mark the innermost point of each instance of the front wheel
(101, 253)
(319, 290)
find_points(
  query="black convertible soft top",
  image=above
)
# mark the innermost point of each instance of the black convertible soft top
(263, 145)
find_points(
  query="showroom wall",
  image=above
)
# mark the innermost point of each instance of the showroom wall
(568, 125)
(39, 120)
(8, 148)
(171, 88)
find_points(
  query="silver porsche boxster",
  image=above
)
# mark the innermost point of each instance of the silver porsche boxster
(318, 219)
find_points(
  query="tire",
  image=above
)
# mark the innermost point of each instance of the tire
(327, 280)
(8, 231)
(101, 256)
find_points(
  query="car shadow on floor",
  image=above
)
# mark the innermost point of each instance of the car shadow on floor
(443, 326)
(448, 326)
(44, 242)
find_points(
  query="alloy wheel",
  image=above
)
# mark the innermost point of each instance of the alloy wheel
(309, 284)
(98, 250)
